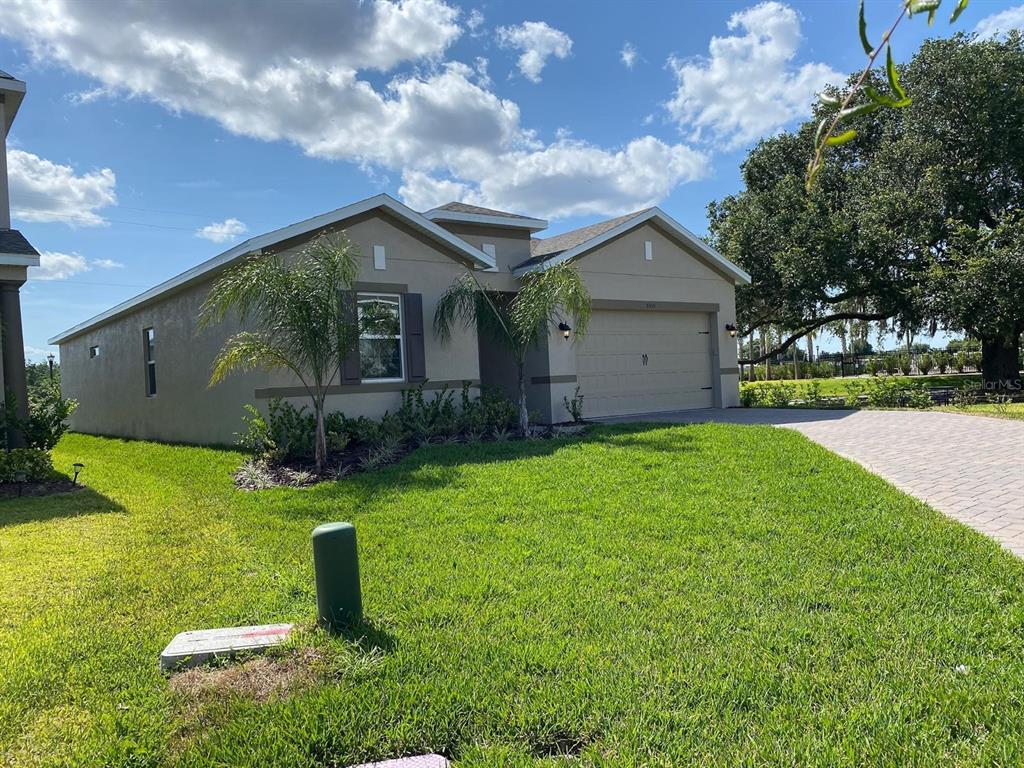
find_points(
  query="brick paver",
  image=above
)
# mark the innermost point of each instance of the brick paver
(969, 467)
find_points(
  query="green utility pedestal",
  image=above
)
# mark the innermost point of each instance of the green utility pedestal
(336, 564)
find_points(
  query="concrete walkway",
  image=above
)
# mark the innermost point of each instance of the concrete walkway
(969, 467)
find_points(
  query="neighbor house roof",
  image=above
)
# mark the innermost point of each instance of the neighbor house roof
(475, 214)
(16, 250)
(13, 91)
(561, 248)
(6, 76)
(199, 272)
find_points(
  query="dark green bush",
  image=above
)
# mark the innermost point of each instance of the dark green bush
(34, 462)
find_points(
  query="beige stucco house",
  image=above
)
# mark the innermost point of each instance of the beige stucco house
(16, 256)
(657, 340)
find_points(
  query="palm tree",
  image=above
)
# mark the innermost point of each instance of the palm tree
(296, 313)
(516, 320)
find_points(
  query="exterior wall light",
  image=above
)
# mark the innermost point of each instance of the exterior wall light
(731, 329)
(565, 329)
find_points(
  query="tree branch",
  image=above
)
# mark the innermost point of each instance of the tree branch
(812, 326)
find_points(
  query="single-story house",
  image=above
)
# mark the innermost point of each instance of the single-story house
(16, 256)
(658, 339)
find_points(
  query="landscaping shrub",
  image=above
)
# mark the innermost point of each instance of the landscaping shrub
(48, 412)
(854, 389)
(905, 364)
(874, 366)
(34, 462)
(758, 395)
(960, 362)
(886, 393)
(925, 364)
(892, 365)
(575, 406)
(942, 361)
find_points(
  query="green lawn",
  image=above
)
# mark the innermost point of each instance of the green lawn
(712, 594)
(1009, 411)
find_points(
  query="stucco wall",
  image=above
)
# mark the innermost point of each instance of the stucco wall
(618, 270)
(111, 387)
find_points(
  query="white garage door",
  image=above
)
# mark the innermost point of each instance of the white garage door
(642, 362)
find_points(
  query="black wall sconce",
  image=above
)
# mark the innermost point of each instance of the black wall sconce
(565, 329)
(731, 329)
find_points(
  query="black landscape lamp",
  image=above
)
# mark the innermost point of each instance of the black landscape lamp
(79, 466)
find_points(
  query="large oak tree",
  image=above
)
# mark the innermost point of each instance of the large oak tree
(885, 231)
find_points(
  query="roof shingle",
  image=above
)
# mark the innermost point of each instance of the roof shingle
(543, 248)
(13, 243)
(457, 207)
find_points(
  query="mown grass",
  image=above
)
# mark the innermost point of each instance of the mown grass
(1007, 411)
(709, 594)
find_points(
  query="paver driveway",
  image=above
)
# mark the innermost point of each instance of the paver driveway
(969, 467)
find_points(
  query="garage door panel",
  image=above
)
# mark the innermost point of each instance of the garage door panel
(615, 379)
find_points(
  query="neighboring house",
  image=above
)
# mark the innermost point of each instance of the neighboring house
(657, 340)
(16, 256)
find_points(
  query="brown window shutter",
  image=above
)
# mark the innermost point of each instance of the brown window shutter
(351, 371)
(415, 355)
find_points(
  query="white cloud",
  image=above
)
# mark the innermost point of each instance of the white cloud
(628, 54)
(748, 85)
(538, 42)
(474, 20)
(269, 72)
(45, 191)
(1000, 23)
(60, 266)
(222, 231)
(568, 178)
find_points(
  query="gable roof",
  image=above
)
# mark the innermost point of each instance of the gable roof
(556, 250)
(197, 273)
(475, 214)
(542, 248)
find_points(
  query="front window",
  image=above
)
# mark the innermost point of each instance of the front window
(380, 337)
(149, 340)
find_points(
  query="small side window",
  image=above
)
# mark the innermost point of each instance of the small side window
(149, 341)
(379, 257)
(94, 351)
(648, 250)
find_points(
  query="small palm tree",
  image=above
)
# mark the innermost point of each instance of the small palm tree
(518, 320)
(295, 311)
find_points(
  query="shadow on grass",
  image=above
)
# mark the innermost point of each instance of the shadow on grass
(366, 636)
(34, 509)
(439, 466)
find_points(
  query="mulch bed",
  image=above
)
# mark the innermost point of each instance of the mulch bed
(41, 488)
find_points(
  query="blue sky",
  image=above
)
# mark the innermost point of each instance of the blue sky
(156, 135)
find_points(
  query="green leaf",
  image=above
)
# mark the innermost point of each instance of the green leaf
(813, 169)
(828, 99)
(920, 6)
(842, 138)
(863, 26)
(820, 132)
(885, 100)
(860, 109)
(960, 8)
(894, 76)
(931, 17)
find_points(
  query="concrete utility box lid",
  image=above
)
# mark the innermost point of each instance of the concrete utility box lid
(190, 649)
(417, 761)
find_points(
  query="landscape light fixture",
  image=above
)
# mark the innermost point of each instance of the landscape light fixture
(731, 329)
(50, 358)
(79, 466)
(20, 476)
(565, 329)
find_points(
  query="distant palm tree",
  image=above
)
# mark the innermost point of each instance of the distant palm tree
(296, 311)
(518, 320)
